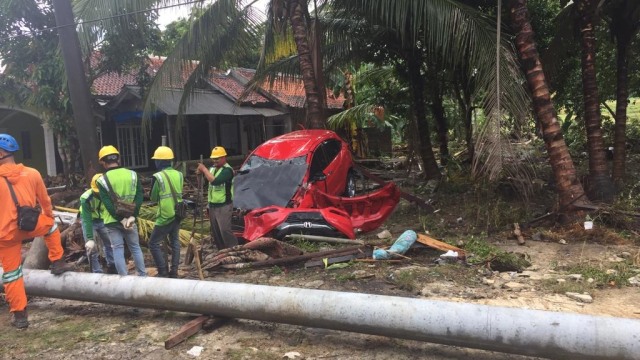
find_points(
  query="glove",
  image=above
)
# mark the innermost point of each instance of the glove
(89, 246)
(130, 221)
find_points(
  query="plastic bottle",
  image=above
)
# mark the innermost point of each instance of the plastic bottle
(400, 246)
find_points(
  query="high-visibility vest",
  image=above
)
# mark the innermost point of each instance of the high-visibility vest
(124, 182)
(94, 202)
(166, 207)
(223, 193)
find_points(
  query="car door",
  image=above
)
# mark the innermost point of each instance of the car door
(328, 159)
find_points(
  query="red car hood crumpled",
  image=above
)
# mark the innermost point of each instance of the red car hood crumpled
(367, 212)
(259, 222)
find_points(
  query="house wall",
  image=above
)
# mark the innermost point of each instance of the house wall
(28, 131)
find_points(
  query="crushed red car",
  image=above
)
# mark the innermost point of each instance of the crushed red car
(304, 182)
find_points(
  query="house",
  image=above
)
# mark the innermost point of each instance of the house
(216, 114)
(37, 143)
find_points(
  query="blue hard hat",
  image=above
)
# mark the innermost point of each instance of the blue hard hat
(8, 143)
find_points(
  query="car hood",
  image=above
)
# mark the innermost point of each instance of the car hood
(267, 185)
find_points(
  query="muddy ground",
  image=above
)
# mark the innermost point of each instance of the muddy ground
(62, 329)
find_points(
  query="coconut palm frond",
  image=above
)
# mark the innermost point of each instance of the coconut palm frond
(214, 39)
(358, 114)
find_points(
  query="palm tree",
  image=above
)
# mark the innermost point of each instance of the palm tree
(570, 191)
(600, 184)
(624, 24)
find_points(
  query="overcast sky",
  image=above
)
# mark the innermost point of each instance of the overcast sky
(174, 13)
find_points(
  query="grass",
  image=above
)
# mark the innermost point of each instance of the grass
(483, 252)
(602, 278)
(250, 353)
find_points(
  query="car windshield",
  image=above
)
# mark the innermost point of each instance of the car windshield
(263, 182)
(256, 161)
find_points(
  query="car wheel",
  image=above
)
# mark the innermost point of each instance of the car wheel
(350, 188)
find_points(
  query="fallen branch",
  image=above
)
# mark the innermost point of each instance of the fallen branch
(294, 259)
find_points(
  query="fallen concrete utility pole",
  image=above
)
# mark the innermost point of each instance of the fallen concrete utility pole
(511, 330)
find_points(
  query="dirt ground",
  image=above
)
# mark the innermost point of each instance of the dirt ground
(62, 329)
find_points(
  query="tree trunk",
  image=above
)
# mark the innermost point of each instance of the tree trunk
(78, 87)
(463, 95)
(298, 14)
(570, 191)
(416, 81)
(439, 115)
(622, 99)
(600, 184)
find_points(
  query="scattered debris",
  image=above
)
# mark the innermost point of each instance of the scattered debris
(634, 281)
(326, 239)
(399, 247)
(189, 329)
(585, 298)
(440, 245)
(195, 351)
(291, 355)
(385, 234)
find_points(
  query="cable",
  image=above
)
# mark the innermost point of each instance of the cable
(101, 19)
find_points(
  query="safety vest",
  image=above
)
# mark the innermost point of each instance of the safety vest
(124, 182)
(94, 203)
(166, 206)
(223, 193)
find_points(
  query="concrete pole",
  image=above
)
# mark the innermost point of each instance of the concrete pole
(511, 330)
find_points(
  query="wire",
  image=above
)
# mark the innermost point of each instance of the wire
(36, 32)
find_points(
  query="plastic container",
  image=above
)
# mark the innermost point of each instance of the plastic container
(400, 246)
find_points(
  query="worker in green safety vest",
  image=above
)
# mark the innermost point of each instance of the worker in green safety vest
(220, 178)
(120, 185)
(91, 214)
(167, 191)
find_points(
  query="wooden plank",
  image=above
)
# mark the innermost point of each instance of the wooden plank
(187, 330)
(440, 245)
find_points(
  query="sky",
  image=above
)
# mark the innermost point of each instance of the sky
(174, 13)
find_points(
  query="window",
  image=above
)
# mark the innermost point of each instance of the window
(132, 146)
(25, 145)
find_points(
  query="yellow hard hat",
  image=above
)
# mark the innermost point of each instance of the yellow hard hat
(218, 152)
(107, 150)
(163, 153)
(94, 179)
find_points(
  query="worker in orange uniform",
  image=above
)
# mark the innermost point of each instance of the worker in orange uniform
(23, 185)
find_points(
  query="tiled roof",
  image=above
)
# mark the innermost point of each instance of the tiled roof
(234, 89)
(290, 92)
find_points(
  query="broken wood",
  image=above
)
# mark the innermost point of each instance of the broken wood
(294, 259)
(403, 194)
(440, 245)
(331, 260)
(327, 239)
(518, 233)
(186, 331)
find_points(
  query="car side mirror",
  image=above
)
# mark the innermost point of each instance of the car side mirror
(318, 177)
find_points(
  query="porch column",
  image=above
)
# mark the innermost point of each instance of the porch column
(49, 150)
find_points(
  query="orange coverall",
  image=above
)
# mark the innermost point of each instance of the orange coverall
(29, 187)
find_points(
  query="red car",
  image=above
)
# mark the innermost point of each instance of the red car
(302, 171)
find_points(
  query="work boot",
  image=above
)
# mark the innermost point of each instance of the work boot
(60, 266)
(163, 273)
(19, 319)
(173, 274)
(111, 269)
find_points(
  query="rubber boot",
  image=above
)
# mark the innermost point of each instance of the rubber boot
(60, 267)
(20, 319)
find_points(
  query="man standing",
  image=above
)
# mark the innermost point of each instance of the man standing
(25, 185)
(91, 211)
(121, 194)
(220, 177)
(167, 191)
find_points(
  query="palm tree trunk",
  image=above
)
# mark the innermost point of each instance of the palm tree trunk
(600, 184)
(622, 98)
(416, 81)
(570, 191)
(463, 95)
(298, 14)
(437, 109)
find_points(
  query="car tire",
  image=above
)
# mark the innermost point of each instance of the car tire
(350, 187)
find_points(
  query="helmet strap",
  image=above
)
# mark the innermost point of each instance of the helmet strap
(6, 156)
